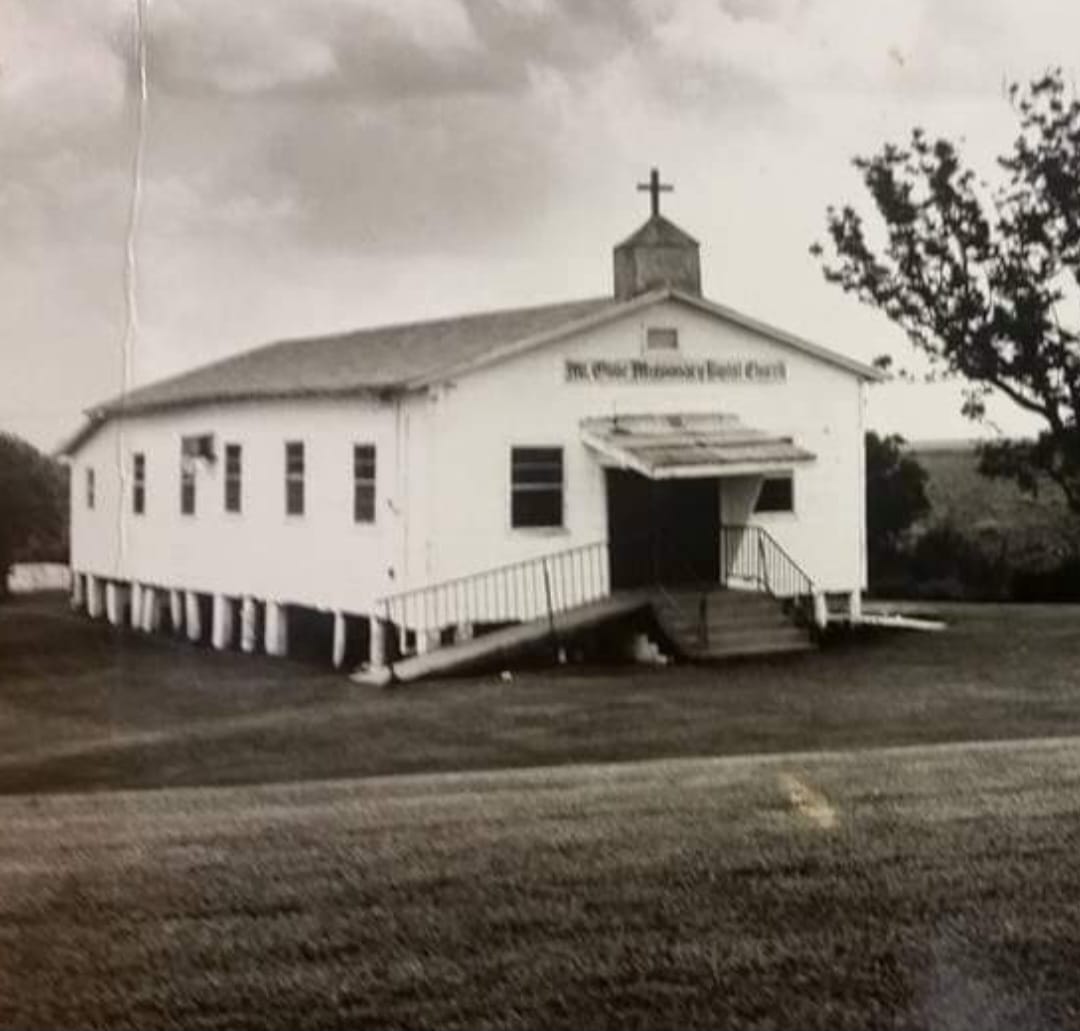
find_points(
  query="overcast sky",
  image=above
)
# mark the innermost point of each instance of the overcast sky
(326, 164)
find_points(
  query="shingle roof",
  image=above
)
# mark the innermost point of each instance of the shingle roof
(383, 358)
(386, 359)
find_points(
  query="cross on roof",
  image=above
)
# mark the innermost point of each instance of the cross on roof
(655, 188)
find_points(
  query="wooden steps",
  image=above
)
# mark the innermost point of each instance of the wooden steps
(731, 624)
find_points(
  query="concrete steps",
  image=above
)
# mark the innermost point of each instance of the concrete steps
(733, 623)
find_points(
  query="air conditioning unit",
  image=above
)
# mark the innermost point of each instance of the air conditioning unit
(198, 448)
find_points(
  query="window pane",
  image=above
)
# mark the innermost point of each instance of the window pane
(657, 339)
(294, 457)
(537, 508)
(138, 487)
(233, 475)
(536, 484)
(777, 495)
(187, 494)
(294, 497)
(364, 503)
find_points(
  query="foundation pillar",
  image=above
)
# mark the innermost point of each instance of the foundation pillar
(821, 610)
(277, 629)
(855, 606)
(377, 647)
(93, 596)
(247, 625)
(463, 632)
(339, 639)
(78, 590)
(192, 617)
(223, 622)
(176, 610)
(116, 596)
(136, 613)
(151, 610)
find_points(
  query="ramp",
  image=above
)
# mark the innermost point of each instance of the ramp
(508, 641)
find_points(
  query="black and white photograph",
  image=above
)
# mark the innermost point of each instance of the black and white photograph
(540, 514)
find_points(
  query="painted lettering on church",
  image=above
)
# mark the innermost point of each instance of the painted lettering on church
(644, 371)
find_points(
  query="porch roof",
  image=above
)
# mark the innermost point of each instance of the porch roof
(688, 445)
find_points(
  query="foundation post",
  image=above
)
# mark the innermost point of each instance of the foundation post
(855, 606)
(277, 629)
(222, 629)
(176, 610)
(463, 632)
(339, 639)
(192, 617)
(115, 597)
(821, 610)
(247, 624)
(93, 596)
(136, 613)
(78, 590)
(151, 616)
(377, 639)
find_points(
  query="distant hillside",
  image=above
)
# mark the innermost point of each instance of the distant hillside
(1030, 533)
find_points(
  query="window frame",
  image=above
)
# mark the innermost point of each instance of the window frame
(367, 484)
(233, 478)
(295, 480)
(651, 348)
(778, 477)
(536, 488)
(188, 492)
(138, 483)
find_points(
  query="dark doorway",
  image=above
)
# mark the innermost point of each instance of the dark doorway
(662, 531)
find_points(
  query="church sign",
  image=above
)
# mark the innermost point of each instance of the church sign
(706, 371)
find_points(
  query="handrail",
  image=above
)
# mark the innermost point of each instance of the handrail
(750, 553)
(544, 585)
(549, 584)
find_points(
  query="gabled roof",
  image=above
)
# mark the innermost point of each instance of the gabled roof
(391, 359)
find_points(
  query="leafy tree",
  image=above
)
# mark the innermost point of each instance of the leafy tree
(33, 505)
(982, 279)
(895, 495)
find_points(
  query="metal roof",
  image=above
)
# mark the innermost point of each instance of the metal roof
(686, 445)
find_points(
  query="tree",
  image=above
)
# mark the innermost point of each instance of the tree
(895, 495)
(981, 278)
(33, 505)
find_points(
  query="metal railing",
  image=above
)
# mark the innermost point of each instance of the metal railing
(548, 585)
(533, 588)
(751, 555)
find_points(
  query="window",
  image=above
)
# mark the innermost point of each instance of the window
(138, 483)
(232, 477)
(90, 487)
(777, 494)
(536, 486)
(187, 483)
(364, 483)
(294, 477)
(661, 339)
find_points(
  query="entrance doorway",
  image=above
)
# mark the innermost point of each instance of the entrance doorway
(662, 531)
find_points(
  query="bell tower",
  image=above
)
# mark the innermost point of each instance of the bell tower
(658, 254)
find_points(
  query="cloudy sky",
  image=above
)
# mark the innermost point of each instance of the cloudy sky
(325, 164)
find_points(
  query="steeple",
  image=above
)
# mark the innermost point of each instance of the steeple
(658, 254)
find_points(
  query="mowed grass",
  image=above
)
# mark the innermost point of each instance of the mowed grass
(916, 888)
(85, 707)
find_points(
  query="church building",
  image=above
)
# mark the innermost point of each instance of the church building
(438, 488)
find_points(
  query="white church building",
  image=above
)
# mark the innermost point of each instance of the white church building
(427, 485)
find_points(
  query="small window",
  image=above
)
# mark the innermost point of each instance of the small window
(364, 483)
(138, 483)
(233, 477)
(187, 482)
(777, 494)
(659, 338)
(90, 487)
(536, 487)
(294, 478)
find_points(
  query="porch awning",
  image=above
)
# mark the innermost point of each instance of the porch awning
(674, 446)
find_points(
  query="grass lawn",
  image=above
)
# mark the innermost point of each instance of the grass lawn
(85, 707)
(932, 887)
